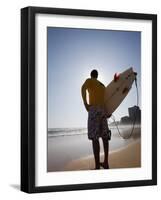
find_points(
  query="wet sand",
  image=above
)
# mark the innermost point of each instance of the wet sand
(127, 157)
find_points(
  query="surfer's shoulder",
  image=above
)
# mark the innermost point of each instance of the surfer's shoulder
(101, 84)
(88, 79)
(87, 82)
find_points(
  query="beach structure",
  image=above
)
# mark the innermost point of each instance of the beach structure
(135, 112)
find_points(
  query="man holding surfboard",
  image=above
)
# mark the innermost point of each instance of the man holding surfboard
(97, 117)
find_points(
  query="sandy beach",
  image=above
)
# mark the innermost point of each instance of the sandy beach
(126, 157)
(69, 152)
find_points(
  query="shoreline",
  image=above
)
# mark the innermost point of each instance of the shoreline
(126, 157)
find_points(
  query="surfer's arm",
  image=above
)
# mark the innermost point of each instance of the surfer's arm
(84, 96)
(83, 90)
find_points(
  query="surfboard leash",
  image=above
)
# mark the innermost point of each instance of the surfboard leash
(132, 130)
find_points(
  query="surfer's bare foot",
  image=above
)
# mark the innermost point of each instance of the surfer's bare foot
(104, 165)
(96, 168)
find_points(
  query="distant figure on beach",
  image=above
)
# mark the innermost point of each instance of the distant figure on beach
(97, 118)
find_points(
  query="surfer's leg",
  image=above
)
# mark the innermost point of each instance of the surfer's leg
(105, 164)
(96, 152)
(105, 138)
(93, 133)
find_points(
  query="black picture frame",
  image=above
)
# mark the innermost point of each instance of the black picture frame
(28, 98)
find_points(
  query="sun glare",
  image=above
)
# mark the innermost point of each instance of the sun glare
(103, 76)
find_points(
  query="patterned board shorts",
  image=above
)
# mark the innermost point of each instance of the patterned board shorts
(97, 123)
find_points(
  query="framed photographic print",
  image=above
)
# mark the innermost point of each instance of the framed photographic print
(88, 99)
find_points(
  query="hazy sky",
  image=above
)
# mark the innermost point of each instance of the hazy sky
(72, 54)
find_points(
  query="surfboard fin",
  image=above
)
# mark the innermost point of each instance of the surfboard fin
(116, 77)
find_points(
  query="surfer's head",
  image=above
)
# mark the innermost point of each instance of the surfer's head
(94, 73)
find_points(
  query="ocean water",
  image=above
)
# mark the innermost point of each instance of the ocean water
(80, 136)
(59, 132)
